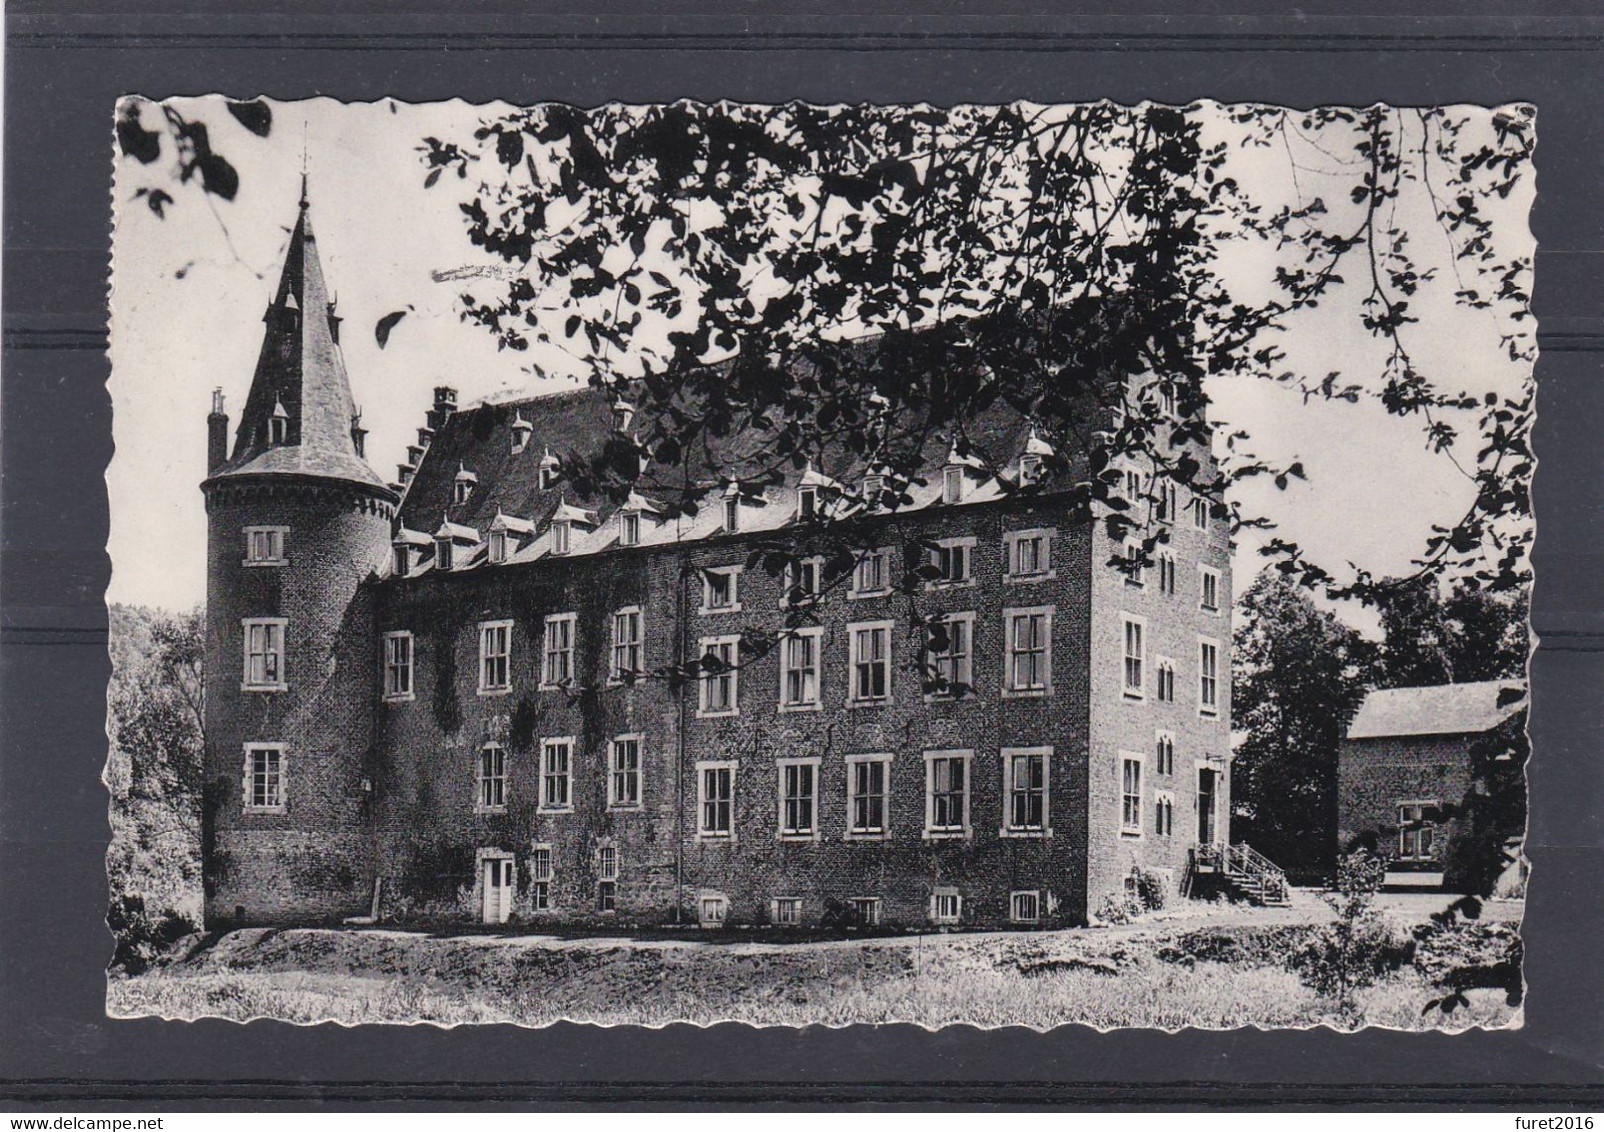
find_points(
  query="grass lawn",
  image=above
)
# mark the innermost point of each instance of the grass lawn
(1205, 967)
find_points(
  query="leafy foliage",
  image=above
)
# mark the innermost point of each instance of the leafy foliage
(1470, 635)
(1359, 947)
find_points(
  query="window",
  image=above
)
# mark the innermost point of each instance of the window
(787, 911)
(1208, 587)
(799, 669)
(874, 487)
(1030, 465)
(557, 654)
(799, 797)
(264, 546)
(495, 655)
(498, 546)
(1168, 507)
(402, 562)
(801, 581)
(713, 911)
(1025, 790)
(1028, 555)
(1417, 830)
(866, 911)
(949, 656)
(278, 429)
(623, 772)
(1165, 395)
(1024, 907)
(952, 484)
(264, 654)
(1134, 632)
(1131, 563)
(1029, 664)
(398, 666)
(873, 574)
(562, 532)
(1130, 804)
(1208, 676)
(953, 559)
(947, 793)
(492, 793)
(540, 878)
(1135, 487)
(607, 878)
(715, 797)
(629, 528)
(1200, 513)
(548, 471)
(868, 795)
(264, 778)
(807, 503)
(461, 490)
(946, 906)
(719, 590)
(1163, 814)
(718, 684)
(442, 553)
(1164, 753)
(732, 513)
(1166, 572)
(556, 773)
(870, 663)
(1164, 669)
(626, 643)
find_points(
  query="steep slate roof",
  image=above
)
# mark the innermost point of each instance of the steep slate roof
(301, 368)
(1442, 709)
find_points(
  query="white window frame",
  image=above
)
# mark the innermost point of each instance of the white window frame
(854, 700)
(784, 831)
(486, 629)
(792, 580)
(393, 692)
(1163, 679)
(496, 550)
(248, 781)
(1164, 753)
(967, 544)
(865, 911)
(549, 679)
(1132, 830)
(704, 680)
(621, 648)
(629, 528)
(1131, 553)
(791, 904)
(883, 556)
(444, 554)
(282, 625)
(816, 635)
(732, 514)
(562, 536)
(939, 910)
(482, 780)
(932, 832)
(271, 534)
(618, 774)
(1011, 539)
(1417, 825)
(542, 882)
(704, 832)
(1204, 707)
(1129, 691)
(952, 484)
(566, 776)
(1206, 574)
(607, 870)
(733, 574)
(1010, 615)
(934, 659)
(712, 909)
(1009, 829)
(1016, 908)
(855, 832)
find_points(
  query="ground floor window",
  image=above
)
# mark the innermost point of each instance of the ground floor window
(866, 910)
(540, 878)
(713, 911)
(946, 906)
(788, 911)
(1417, 830)
(1130, 820)
(1024, 907)
(607, 884)
(264, 778)
(716, 790)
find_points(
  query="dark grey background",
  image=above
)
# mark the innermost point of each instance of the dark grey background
(64, 70)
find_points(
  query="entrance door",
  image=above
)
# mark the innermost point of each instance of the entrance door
(1206, 798)
(497, 887)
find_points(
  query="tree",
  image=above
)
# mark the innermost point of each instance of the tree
(876, 277)
(1468, 636)
(1299, 676)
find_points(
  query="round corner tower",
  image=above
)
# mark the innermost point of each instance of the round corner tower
(296, 524)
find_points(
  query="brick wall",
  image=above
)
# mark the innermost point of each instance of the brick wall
(1375, 775)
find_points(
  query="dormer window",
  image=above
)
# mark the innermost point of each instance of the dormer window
(873, 487)
(952, 484)
(623, 415)
(629, 528)
(442, 553)
(732, 513)
(498, 546)
(807, 503)
(278, 425)
(402, 561)
(561, 536)
(1029, 468)
(549, 470)
(462, 487)
(521, 430)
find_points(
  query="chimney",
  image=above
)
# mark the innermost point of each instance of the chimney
(445, 403)
(216, 434)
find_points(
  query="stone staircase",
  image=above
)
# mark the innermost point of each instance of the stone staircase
(1242, 870)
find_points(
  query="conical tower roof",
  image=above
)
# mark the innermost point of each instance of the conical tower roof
(300, 368)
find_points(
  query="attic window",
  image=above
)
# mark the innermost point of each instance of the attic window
(732, 513)
(629, 528)
(623, 415)
(442, 553)
(278, 425)
(498, 546)
(952, 484)
(520, 434)
(807, 503)
(561, 531)
(403, 561)
(549, 470)
(1029, 468)
(873, 487)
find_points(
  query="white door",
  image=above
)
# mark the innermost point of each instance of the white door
(497, 887)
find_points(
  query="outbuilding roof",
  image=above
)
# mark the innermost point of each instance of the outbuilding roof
(1441, 709)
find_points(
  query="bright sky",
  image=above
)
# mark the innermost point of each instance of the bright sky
(189, 292)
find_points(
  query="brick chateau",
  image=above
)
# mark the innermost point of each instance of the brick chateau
(438, 699)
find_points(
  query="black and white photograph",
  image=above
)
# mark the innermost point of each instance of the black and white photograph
(1003, 565)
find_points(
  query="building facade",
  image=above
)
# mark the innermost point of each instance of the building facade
(473, 695)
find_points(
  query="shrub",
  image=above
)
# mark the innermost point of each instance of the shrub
(142, 936)
(1150, 888)
(1360, 946)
